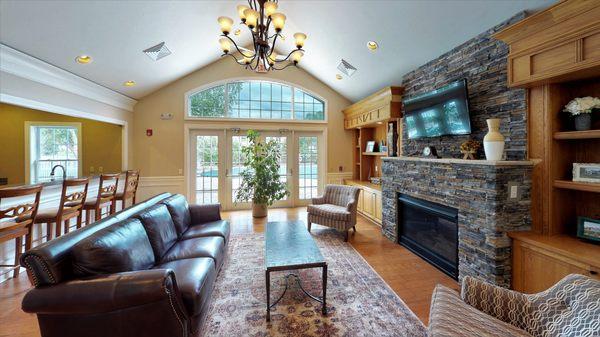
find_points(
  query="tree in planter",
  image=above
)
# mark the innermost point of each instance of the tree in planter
(260, 177)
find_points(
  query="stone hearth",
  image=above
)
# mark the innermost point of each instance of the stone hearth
(479, 190)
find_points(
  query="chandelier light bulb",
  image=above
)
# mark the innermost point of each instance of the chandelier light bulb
(240, 10)
(225, 23)
(278, 20)
(251, 17)
(300, 38)
(225, 45)
(296, 56)
(270, 8)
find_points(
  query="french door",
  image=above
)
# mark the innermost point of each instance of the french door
(217, 161)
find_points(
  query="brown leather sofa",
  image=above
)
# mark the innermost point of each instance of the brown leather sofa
(148, 270)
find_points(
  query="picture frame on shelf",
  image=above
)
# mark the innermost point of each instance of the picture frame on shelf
(588, 229)
(370, 146)
(586, 172)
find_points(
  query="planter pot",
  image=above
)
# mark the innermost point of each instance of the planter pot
(259, 210)
(493, 142)
(583, 122)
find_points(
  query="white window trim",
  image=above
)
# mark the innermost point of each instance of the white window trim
(29, 146)
(187, 95)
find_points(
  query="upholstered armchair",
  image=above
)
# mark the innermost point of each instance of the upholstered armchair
(569, 308)
(336, 208)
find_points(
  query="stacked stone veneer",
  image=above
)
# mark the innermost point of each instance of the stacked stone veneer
(479, 190)
(483, 62)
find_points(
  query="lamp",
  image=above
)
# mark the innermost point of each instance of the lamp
(225, 23)
(300, 38)
(278, 21)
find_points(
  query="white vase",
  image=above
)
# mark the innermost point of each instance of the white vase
(493, 142)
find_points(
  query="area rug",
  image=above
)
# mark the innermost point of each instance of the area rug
(359, 302)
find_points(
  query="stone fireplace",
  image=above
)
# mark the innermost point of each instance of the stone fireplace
(480, 193)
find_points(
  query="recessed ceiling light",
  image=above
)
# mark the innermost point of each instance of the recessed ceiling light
(338, 76)
(129, 83)
(372, 45)
(83, 59)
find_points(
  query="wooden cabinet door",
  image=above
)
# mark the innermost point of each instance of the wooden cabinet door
(378, 207)
(361, 200)
(539, 271)
(369, 203)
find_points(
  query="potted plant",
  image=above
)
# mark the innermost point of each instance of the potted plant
(581, 109)
(260, 176)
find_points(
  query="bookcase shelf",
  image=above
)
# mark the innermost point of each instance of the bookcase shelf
(577, 186)
(571, 135)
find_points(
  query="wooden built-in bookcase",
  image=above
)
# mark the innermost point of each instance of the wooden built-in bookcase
(369, 120)
(555, 55)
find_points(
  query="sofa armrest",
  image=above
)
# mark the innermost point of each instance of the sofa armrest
(351, 205)
(318, 200)
(205, 213)
(506, 305)
(102, 294)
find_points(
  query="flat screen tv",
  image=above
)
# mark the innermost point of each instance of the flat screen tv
(444, 111)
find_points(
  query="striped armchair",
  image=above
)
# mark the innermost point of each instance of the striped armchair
(336, 208)
(569, 308)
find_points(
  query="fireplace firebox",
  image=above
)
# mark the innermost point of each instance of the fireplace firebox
(429, 230)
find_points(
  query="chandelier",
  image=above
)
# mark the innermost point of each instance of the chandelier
(265, 25)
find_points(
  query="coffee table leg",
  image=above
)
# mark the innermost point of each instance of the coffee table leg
(268, 281)
(325, 290)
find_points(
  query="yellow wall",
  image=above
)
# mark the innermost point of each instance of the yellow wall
(163, 153)
(101, 142)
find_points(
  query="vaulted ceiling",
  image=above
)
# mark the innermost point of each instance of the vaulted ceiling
(114, 33)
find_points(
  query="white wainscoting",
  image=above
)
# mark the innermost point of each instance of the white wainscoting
(151, 186)
(338, 177)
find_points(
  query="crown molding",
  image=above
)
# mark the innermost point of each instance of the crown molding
(20, 64)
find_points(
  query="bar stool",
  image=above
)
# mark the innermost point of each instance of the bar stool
(130, 189)
(70, 207)
(107, 190)
(16, 221)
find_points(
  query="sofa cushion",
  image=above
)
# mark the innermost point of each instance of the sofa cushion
(180, 212)
(195, 279)
(329, 211)
(121, 247)
(160, 229)
(451, 316)
(214, 228)
(213, 247)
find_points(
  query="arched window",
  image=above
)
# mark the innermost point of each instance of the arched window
(255, 100)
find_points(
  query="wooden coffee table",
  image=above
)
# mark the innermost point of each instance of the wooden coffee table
(289, 246)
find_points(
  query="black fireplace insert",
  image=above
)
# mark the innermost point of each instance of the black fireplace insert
(430, 230)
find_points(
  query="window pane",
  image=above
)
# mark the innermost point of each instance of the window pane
(55, 145)
(208, 103)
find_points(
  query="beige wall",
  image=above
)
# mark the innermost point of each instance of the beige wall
(163, 153)
(101, 142)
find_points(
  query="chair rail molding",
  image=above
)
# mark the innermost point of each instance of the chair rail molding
(150, 186)
(22, 65)
(338, 178)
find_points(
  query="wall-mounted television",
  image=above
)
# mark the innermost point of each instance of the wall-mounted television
(444, 111)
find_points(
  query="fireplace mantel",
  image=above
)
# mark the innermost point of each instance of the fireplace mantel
(462, 161)
(479, 189)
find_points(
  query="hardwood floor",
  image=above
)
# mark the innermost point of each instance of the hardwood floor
(408, 275)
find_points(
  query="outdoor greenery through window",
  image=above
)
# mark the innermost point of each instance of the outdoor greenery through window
(256, 100)
(54, 145)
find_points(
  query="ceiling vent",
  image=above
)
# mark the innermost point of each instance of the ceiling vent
(346, 68)
(157, 52)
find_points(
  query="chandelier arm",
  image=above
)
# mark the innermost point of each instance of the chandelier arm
(236, 47)
(273, 45)
(290, 64)
(290, 54)
(236, 60)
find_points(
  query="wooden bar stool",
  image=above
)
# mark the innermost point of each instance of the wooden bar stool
(16, 221)
(71, 204)
(106, 197)
(130, 189)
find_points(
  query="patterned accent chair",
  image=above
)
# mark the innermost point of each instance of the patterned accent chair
(336, 208)
(569, 308)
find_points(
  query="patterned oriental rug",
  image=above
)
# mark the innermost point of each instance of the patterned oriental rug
(359, 302)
